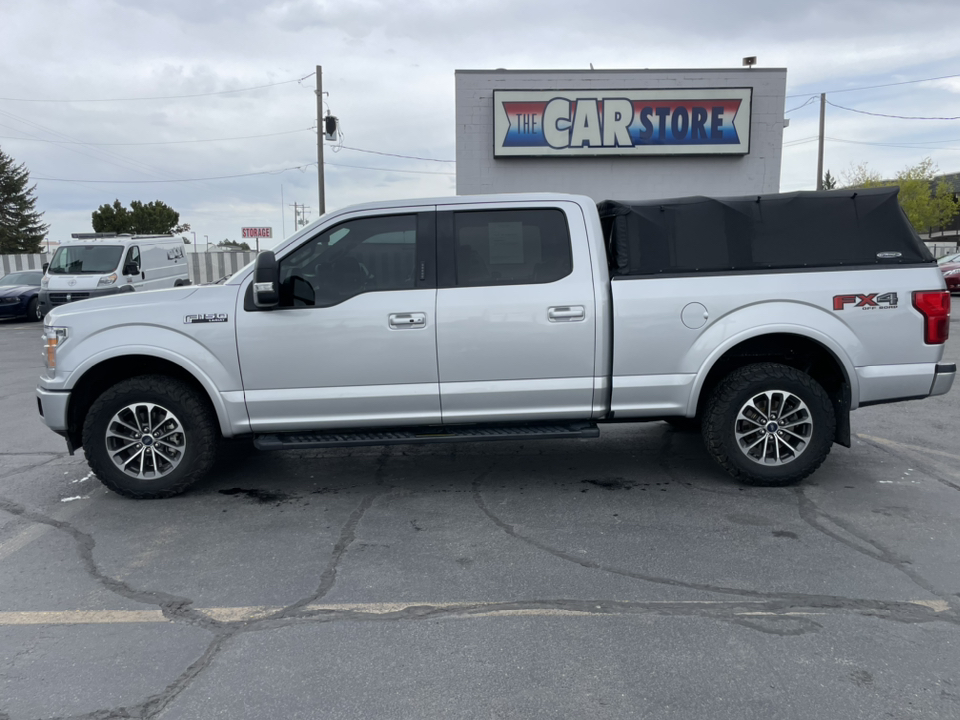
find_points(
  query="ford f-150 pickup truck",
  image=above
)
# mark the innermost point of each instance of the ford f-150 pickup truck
(765, 319)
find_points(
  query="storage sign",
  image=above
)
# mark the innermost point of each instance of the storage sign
(555, 123)
(258, 232)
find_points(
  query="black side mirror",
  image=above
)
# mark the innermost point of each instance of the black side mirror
(266, 281)
(45, 266)
(130, 269)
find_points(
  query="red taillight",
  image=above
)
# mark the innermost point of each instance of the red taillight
(934, 305)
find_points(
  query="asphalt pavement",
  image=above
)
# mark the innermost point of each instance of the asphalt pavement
(625, 577)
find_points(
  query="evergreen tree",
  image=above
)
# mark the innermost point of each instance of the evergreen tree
(21, 227)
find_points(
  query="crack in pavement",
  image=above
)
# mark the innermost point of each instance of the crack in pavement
(793, 599)
(179, 609)
(809, 512)
(174, 608)
(901, 452)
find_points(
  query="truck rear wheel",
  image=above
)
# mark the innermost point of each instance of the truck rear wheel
(769, 424)
(150, 437)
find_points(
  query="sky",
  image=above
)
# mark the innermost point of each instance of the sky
(210, 105)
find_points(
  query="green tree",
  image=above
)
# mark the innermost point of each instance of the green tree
(928, 202)
(829, 181)
(233, 245)
(21, 227)
(154, 218)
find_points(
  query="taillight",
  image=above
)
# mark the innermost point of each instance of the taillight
(934, 305)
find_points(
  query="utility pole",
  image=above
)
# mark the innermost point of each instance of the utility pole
(823, 108)
(299, 216)
(323, 205)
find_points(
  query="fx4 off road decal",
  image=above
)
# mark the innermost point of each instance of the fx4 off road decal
(207, 318)
(870, 301)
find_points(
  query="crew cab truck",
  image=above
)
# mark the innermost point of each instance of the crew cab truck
(765, 319)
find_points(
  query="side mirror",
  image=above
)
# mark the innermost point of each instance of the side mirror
(45, 266)
(130, 269)
(266, 281)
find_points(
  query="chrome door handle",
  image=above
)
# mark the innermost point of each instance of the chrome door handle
(566, 314)
(407, 320)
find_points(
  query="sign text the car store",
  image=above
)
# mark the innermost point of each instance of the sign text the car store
(548, 123)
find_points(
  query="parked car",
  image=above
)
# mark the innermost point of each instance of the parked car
(951, 274)
(949, 259)
(18, 294)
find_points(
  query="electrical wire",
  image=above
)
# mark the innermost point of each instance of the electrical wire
(162, 142)
(809, 100)
(162, 97)
(301, 168)
(898, 117)
(408, 157)
(872, 87)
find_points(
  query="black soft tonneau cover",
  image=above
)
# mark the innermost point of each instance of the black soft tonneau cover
(835, 228)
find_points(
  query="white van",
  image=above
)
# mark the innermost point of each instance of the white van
(97, 264)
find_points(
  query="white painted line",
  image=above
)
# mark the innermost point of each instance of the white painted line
(917, 448)
(255, 612)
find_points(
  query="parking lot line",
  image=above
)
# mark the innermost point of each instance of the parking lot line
(905, 446)
(476, 609)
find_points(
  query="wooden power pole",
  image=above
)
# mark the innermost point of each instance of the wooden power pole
(823, 107)
(323, 205)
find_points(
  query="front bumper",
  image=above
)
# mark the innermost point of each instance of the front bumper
(52, 405)
(49, 299)
(14, 309)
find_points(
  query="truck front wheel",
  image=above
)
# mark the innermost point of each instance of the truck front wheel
(769, 424)
(150, 436)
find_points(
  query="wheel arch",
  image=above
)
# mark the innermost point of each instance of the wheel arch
(105, 372)
(811, 353)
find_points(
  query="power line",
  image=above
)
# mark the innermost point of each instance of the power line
(809, 100)
(408, 157)
(908, 146)
(139, 182)
(162, 142)
(898, 117)
(872, 87)
(162, 97)
(364, 167)
(239, 175)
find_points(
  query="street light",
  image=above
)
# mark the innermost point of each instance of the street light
(207, 238)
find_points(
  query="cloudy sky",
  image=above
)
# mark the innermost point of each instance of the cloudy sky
(151, 97)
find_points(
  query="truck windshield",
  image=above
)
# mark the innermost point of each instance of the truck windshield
(93, 259)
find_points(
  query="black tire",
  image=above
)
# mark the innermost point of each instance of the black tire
(766, 454)
(117, 418)
(33, 314)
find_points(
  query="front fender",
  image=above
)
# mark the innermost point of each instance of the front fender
(211, 359)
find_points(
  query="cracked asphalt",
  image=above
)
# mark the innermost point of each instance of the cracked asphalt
(625, 577)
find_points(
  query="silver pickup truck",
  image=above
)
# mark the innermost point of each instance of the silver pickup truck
(765, 320)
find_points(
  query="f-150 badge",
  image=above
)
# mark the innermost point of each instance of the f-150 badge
(207, 318)
(870, 301)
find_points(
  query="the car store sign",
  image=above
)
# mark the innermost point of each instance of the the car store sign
(555, 123)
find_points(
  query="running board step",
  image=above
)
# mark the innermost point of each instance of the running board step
(354, 438)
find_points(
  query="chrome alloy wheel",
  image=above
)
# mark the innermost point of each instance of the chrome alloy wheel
(145, 441)
(773, 427)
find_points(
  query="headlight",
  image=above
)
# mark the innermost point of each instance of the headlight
(53, 338)
(107, 280)
(45, 281)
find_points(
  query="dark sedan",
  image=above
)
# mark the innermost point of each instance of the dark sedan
(19, 293)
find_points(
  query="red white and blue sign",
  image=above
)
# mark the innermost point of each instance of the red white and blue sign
(563, 123)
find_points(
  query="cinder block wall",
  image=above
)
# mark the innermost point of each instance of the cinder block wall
(618, 178)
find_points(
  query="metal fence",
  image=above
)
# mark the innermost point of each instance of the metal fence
(202, 267)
